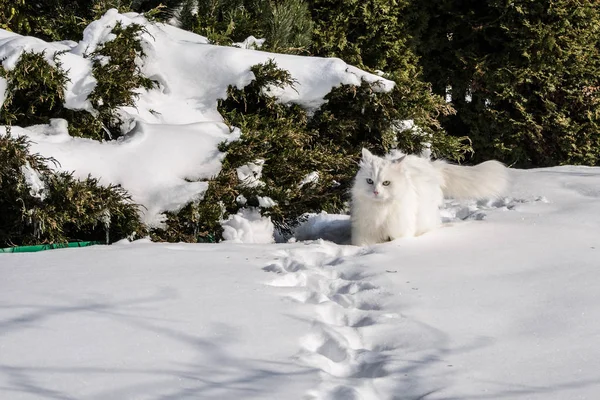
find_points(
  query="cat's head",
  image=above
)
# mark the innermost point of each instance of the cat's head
(378, 179)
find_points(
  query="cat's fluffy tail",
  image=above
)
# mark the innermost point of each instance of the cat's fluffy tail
(485, 180)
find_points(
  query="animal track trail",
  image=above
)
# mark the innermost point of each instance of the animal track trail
(455, 210)
(347, 309)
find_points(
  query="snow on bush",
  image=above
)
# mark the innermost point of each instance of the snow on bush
(170, 145)
(248, 226)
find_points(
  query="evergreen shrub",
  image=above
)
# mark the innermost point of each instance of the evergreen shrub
(54, 20)
(291, 146)
(118, 76)
(375, 36)
(368, 34)
(286, 25)
(35, 91)
(523, 76)
(57, 208)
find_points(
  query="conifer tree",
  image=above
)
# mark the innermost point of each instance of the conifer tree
(54, 20)
(374, 35)
(524, 76)
(369, 34)
(285, 24)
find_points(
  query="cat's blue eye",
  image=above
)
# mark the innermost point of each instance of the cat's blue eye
(386, 183)
(369, 181)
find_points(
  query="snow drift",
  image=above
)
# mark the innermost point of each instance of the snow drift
(505, 308)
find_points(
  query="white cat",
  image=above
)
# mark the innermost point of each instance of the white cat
(401, 198)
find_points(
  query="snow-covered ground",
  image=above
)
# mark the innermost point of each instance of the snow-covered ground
(502, 302)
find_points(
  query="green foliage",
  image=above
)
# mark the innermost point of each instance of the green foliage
(285, 24)
(279, 135)
(367, 34)
(374, 35)
(35, 91)
(221, 21)
(289, 28)
(86, 210)
(9, 13)
(118, 76)
(35, 94)
(65, 209)
(531, 69)
(54, 20)
(194, 223)
(365, 115)
(254, 100)
(293, 145)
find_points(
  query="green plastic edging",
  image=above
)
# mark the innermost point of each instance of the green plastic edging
(42, 247)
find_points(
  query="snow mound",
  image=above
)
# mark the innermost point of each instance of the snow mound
(159, 165)
(248, 226)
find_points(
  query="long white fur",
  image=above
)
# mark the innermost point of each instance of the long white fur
(488, 179)
(409, 205)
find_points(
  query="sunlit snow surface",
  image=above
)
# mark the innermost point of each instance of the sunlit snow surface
(502, 302)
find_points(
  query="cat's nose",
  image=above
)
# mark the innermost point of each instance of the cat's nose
(375, 192)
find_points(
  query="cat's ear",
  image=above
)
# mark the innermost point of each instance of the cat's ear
(366, 155)
(399, 160)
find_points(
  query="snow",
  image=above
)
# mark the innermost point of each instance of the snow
(310, 178)
(33, 181)
(3, 87)
(250, 43)
(80, 83)
(158, 164)
(502, 302)
(249, 174)
(332, 227)
(266, 202)
(248, 226)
